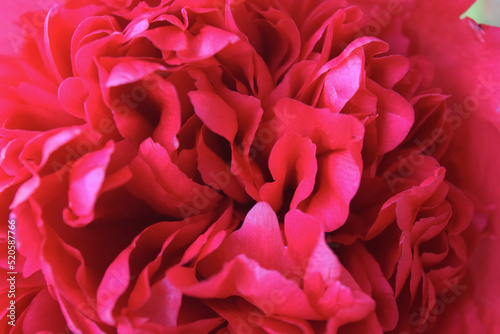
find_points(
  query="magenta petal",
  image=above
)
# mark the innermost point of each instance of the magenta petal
(401, 206)
(392, 125)
(342, 81)
(23, 112)
(78, 318)
(216, 173)
(90, 29)
(177, 39)
(217, 115)
(29, 238)
(59, 26)
(338, 182)
(243, 317)
(209, 41)
(474, 84)
(389, 70)
(114, 283)
(170, 120)
(248, 111)
(14, 37)
(39, 149)
(320, 125)
(244, 277)
(86, 179)
(43, 314)
(161, 183)
(259, 239)
(211, 239)
(292, 164)
(282, 47)
(131, 71)
(72, 94)
(163, 305)
(364, 268)
(339, 162)
(353, 305)
(308, 249)
(55, 251)
(142, 258)
(25, 191)
(326, 282)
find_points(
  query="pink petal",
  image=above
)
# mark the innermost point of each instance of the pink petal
(72, 94)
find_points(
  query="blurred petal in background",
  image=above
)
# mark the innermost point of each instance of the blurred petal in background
(483, 11)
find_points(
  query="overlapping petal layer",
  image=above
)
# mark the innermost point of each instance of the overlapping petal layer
(251, 166)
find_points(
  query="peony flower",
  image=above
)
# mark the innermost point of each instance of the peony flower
(252, 166)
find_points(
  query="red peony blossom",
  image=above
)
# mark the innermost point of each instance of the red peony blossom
(249, 166)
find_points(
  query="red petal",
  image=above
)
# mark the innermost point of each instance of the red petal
(59, 26)
(215, 172)
(131, 71)
(86, 179)
(72, 94)
(170, 120)
(292, 164)
(244, 277)
(217, 115)
(259, 238)
(43, 314)
(207, 43)
(157, 180)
